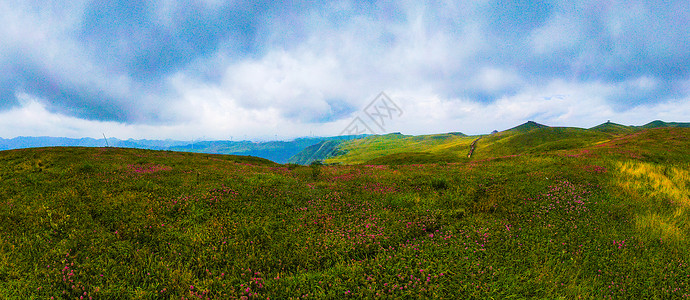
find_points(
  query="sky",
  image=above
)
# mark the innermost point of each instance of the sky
(263, 70)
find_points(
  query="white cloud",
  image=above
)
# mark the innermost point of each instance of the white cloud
(291, 82)
(671, 111)
(557, 103)
(285, 89)
(33, 119)
(493, 79)
(43, 34)
(644, 83)
(353, 62)
(215, 116)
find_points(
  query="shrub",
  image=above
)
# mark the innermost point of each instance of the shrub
(439, 183)
(87, 168)
(316, 169)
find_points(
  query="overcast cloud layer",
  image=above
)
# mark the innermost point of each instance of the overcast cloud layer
(264, 69)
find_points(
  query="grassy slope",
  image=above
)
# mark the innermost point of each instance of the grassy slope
(316, 152)
(614, 128)
(537, 140)
(527, 138)
(427, 148)
(609, 219)
(278, 151)
(662, 124)
(530, 137)
(527, 126)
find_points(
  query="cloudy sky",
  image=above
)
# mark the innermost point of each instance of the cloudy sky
(218, 69)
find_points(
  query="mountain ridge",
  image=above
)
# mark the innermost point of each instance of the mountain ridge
(290, 151)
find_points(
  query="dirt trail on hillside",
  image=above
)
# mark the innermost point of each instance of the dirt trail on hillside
(473, 146)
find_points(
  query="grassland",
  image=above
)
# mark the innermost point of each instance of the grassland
(544, 213)
(398, 148)
(530, 137)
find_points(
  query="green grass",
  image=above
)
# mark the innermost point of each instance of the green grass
(604, 217)
(539, 140)
(614, 128)
(406, 158)
(661, 124)
(446, 147)
(529, 138)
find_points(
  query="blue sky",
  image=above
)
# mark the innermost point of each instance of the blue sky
(229, 69)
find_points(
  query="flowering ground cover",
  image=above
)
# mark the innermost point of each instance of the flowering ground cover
(609, 220)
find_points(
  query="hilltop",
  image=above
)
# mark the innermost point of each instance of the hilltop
(662, 124)
(614, 128)
(527, 126)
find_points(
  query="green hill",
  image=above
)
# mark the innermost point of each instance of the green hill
(662, 124)
(614, 128)
(528, 138)
(318, 152)
(537, 140)
(277, 151)
(400, 149)
(527, 126)
(577, 214)
(447, 147)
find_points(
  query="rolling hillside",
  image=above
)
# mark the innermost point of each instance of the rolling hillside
(530, 137)
(598, 220)
(614, 128)
(662, 124)
(317, 152)
(277, 151)
(537, 140)
(571, 214)
(448, 147)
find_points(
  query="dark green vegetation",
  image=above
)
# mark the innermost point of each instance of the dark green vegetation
(542, 213)
(317, 152)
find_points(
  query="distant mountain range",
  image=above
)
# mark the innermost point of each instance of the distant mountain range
(277, 151)
(300, 151)
(32, 142)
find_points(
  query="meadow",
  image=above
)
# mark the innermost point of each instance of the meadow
(593, 215)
